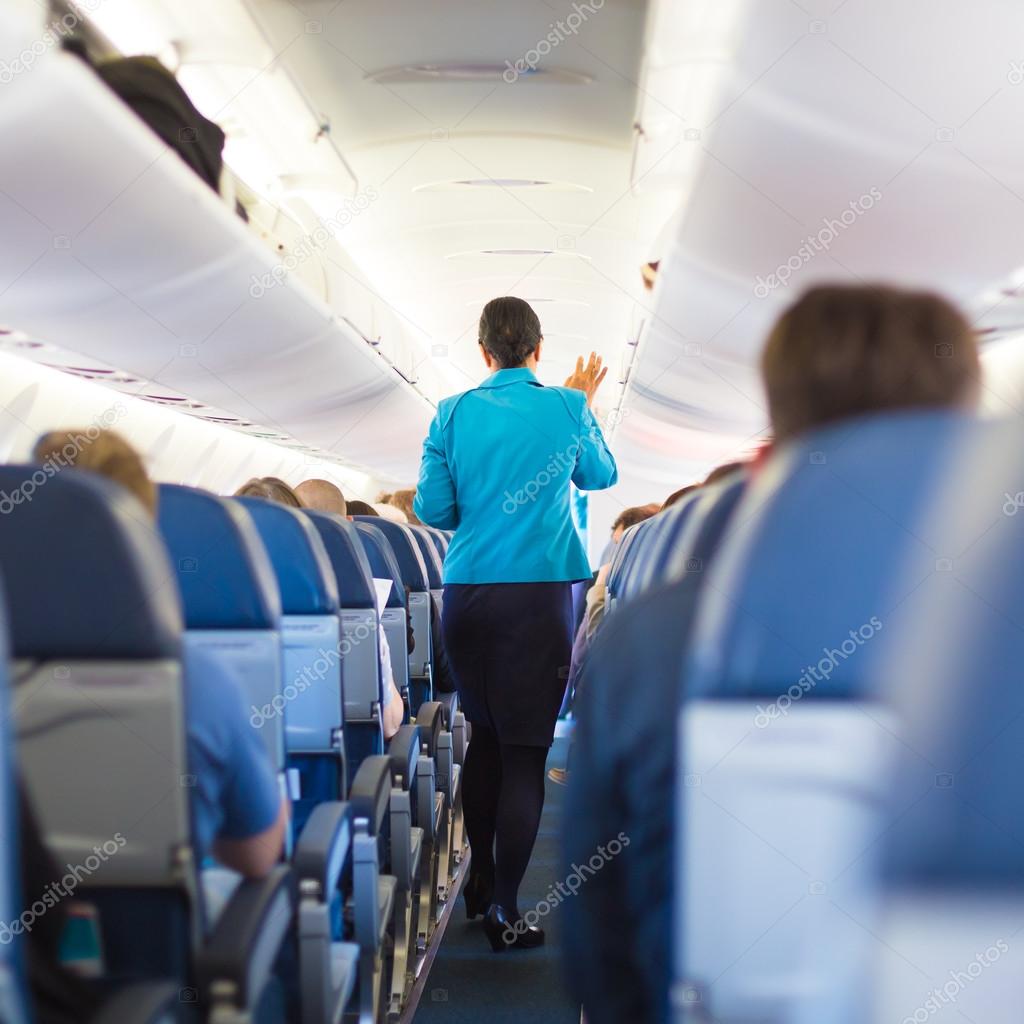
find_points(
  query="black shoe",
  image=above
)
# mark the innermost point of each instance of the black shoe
(478, 892)
(505, 932)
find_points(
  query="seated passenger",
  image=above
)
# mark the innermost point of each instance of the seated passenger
(269, 488)
(679, 495)
(838, 352)
(324, 496)
(597, 596)
(388, 511)
(237, 808)
(403, 500)
(361, 508)
(593, 613)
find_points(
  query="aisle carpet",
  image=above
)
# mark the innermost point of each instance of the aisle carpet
(471, 985)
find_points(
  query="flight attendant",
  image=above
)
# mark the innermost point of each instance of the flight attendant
(496, 469)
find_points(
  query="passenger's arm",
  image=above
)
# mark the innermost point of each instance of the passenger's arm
(597, 600)
(393, 710)
(435, 503)
(254, 813)
(255, 856)
(595, 465)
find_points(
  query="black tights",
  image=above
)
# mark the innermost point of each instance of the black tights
(502, 798)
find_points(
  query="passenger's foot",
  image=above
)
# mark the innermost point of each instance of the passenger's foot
(507, 931)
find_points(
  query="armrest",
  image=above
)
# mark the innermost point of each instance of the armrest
(404, 752)
(324, 847)
(430, 719)
(370, 791)
(149, 1002)
(236, 962)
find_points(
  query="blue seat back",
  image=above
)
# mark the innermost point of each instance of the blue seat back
(805, 580)
(687, 549)
(364, 694)
(311, 634)
(231, 600)
(624, 559)
(439, 540)
(432, 560)
(100, 713)
(13, 993)
(651, 546)
(381, 559)
(954, 669)
(395, 618)
(406, 549)
(414, 576)
(128, 556)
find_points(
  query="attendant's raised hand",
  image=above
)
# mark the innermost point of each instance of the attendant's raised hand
(587, 378)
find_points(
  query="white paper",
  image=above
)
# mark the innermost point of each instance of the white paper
(383, 591)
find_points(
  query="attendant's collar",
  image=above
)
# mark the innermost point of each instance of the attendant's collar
(500, 378)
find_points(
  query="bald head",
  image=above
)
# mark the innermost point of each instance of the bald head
(323, 496)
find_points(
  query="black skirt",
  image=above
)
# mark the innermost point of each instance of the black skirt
(509, 646)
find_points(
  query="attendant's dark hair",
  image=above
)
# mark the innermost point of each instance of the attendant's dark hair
(509, 331)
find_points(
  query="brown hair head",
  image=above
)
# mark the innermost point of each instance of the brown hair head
(103, 452)
(269, 488)
(846, 350)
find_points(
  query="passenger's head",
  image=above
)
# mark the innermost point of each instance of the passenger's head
(403, 500)
(724, 470)
(630, 517)
(679, 495)
(269, 488)
(107, 453)
(388, 511)
(509, 333)
(361, 508)
(322, 495)
(846, 350)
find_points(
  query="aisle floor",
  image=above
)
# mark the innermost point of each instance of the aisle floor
(470, 984)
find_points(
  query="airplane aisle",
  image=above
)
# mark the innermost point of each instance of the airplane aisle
(468, 983)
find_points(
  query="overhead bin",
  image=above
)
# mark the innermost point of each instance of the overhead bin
(115, 250)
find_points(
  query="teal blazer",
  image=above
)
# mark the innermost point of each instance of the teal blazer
(496, 469)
